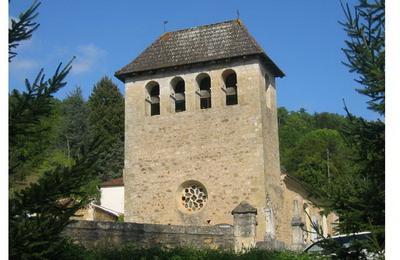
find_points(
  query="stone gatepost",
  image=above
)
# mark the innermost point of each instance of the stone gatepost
(244, 226)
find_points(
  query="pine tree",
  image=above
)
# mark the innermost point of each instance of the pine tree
(22, 29)
(74, 132)
(365, 49)
(27, 112)
(365, 54)
(38, 213)
(359, 196)
(106, 119)
(33, 154)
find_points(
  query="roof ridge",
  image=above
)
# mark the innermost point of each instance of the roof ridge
(253, 40)
(205, 25)
(199, 44)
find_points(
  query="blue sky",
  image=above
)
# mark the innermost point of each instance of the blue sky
(304, 39)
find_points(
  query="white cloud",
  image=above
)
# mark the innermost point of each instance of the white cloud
(24, 64)
(87, 58)
(20, 69)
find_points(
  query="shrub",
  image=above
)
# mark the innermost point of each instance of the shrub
(181, 253)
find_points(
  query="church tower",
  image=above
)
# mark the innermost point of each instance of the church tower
(201, 130)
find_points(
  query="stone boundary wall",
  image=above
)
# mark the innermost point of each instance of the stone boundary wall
(93, 234)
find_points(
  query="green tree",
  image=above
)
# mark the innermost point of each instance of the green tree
(320, 156)
(22, 29)
(74, 132)
(106, 119)
(292, 126)
(29, 113)
(365, 49)
(39, 212)
(359, 196)
(35, 154)
(330, 121)
(365, 54)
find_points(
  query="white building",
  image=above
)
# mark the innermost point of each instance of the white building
(112, 195)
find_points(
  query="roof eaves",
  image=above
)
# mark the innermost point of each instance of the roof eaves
(277, 71)
(117, 182)
(123, 76)
(305, 187)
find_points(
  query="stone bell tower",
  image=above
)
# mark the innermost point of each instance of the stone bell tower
(201, 129)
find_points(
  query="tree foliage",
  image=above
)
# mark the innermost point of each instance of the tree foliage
(74, 130)
(39, 212)
(106, 119)
(358, 194)
(365, 49)
(292, 126)
(364, 208)
(320, 156)
(341, 160)
(296, 132)
(29, 112)
(22, 29)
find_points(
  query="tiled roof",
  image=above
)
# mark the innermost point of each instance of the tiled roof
(218, 41)
(114, 182)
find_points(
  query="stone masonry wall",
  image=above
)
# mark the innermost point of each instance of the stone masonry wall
(110, 234)
(286, 230)
(223, 148)
(272, 167)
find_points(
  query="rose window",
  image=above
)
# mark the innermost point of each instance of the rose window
(194, 197)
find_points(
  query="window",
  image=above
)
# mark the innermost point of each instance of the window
(178, 94)
(230, 88)
(204, 91)
(153, 98)
(192, 196)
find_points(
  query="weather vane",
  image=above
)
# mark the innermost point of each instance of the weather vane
(237, 14)
(165, 22)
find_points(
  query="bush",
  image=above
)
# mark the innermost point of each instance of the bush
(183, 253)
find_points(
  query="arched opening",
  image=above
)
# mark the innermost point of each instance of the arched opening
(204, 90)
(178, 94)
(153, 98)
(230, 88)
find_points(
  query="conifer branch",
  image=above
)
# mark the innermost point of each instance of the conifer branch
(22, 29)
